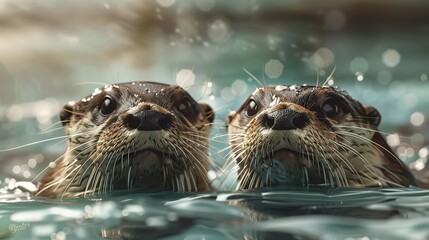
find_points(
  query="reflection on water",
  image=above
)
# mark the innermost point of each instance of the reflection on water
(262, 214)
(51, 53)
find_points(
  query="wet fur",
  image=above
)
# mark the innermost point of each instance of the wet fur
(103, 154)
(345, 150)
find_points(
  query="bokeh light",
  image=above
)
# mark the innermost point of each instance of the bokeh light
(218, 31)
(239, 87)
(391, 58)
(417, 119)
(323, 58)
(185, 78)
(273, 68)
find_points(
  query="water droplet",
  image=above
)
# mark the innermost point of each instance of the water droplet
(212, 174)
(344, 92)
(360, 77)
(281, 88)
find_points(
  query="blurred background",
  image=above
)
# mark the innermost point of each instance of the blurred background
(52, 52)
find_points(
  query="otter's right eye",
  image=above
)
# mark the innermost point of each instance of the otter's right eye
(252, 108)
(331, 108)
(107, 106)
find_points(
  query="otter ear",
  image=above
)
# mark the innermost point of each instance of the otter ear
(373, 115)
(66, 113)
(207, 112)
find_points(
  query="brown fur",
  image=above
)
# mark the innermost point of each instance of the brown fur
(305, 136)
(140, 135)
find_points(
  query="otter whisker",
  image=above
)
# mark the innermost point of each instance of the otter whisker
(31, 144)
(369, 141)
(329, 77)
(129, 178)
(252, 76)
(55, 162)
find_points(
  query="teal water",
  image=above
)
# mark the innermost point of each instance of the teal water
(262, 214)
(51, 53)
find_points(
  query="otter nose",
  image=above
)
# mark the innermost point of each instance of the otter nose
(286, 119)
(148, 120)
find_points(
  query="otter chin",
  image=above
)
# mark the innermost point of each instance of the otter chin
(139, 135)
(311, 136)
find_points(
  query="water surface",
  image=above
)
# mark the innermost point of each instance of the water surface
(52, 53)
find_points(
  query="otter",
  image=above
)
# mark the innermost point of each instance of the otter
(138, 135)
(311, 136)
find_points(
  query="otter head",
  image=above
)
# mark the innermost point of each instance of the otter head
(139, 135)
(304, 135)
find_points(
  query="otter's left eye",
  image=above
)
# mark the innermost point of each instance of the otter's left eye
(252, 108)
(185, 106)
(107, 106)
(330, 107)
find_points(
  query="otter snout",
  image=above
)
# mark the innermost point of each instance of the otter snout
(148, 119)
(285, 119)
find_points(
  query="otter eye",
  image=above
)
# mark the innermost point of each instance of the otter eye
(185, 106)
(331, 108)
(107, 106)
(252, 108)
